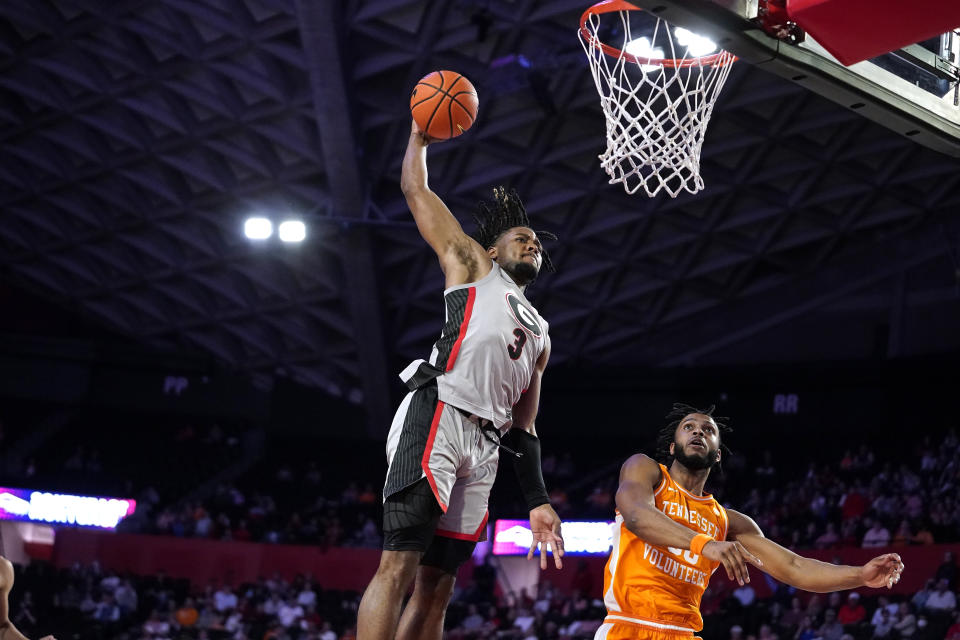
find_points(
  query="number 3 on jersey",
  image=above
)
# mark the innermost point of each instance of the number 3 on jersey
(516, 348)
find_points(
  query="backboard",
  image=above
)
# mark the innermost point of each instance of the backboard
(913, 90)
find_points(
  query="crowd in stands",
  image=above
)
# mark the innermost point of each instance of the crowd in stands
(850, 501)
(87, 603)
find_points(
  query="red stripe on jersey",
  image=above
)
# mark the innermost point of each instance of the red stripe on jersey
(428, 449)
(463, 328)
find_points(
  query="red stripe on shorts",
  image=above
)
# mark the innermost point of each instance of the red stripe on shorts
(425, 461)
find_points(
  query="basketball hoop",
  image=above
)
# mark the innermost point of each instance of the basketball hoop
(657, 104)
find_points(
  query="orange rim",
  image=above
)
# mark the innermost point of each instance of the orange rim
(609, 6)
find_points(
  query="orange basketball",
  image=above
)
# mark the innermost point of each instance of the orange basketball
(444, 104)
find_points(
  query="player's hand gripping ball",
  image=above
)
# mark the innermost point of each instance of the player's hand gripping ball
(444, 104)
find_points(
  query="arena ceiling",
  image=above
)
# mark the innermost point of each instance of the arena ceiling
(137, 134)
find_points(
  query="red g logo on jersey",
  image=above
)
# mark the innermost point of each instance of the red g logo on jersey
(523, 315)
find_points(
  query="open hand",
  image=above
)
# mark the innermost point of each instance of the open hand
(882, 571)
(734, 557)
(545, 525)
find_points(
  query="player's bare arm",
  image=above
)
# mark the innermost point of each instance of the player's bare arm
(462, 259)
(635, 502)
(809, 574)
(544, 521)
(525, 411)
(7, 630)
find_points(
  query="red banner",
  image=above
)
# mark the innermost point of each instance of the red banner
(210, 561)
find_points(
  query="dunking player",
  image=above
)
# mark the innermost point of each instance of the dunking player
(670, 536)
(483, 378)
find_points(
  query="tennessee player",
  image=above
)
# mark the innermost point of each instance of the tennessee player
(670, 537)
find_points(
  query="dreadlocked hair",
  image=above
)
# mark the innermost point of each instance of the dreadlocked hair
(505, 213)
(676, 415)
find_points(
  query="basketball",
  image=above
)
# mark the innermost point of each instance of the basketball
(444, 104)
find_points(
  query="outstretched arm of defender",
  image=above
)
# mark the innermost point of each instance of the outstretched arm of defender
(461, 258)
(809, 574)
(635, 502)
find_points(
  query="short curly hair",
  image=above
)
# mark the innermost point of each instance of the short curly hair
(506, 212)
(668, 433)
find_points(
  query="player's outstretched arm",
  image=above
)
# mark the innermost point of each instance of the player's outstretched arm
(461, 257)
(7, 630)
(635, 501)
(544, 521)
(809, 574)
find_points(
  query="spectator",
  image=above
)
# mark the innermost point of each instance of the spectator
(883, 627)
(107, 610)
(806, 630)
(187, 614)
(876, 536)
(953, 633)
(906, 625)
(224, 599)
(828, 538)
(745, 594)
(307, 596)
(156, 626)
(830, 629)
(852, 611)
(942, 600)
(903, 535)
(474, 621)
(948, 570)
(289, 613)
(883, 604)
(326, 632)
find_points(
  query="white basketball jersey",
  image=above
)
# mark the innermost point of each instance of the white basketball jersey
(488, 351)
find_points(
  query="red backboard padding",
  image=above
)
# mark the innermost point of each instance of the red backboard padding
(855, 30)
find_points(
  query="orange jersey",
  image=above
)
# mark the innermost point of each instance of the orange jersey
(660, 587)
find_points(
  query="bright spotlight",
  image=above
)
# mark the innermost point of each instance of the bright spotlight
(258, 228)
(292, 231)
(696, 45)
(643, 48)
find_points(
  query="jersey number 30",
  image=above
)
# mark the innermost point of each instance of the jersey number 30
(516, 348)
(686, 554)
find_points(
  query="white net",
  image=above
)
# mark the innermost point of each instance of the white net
(657, 92)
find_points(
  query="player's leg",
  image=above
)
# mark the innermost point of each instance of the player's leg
(380, 606)
(424, 614)
(457, 533)
(409, 519)
(410, 513)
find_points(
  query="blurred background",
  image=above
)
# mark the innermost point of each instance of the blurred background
(194, 420)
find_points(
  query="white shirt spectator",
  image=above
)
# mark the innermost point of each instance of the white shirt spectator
(224, 600)
(326, 633)
(126, 597)
(307, 597)
(876, 536)
(745, 594)
(942, 600)
(233, 622)
(271, 606)
(289, 613)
